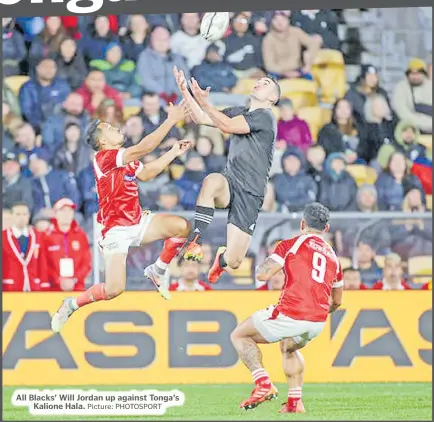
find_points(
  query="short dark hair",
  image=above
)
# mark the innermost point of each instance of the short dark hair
(277, 86)
(349, 269)
(316, 216)
(93, 134)
(20, 204)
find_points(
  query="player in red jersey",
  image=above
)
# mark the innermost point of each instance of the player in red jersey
(312, 289)
(122, 221)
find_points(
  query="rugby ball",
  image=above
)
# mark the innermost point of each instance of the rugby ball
(214, 26)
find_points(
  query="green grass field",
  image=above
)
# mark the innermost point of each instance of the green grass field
(387, 401)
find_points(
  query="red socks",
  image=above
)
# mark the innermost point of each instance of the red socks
(294, 396)
(261, 377)
(94, 293)
(171, 248)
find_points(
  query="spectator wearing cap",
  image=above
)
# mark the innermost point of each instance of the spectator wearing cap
(188, 42)
(291, 130)
(16, 187)
(74, 154)
(155, 66)
(392, 275)
(392, 182)
(42, 220)
(94, 42)
(119, 72)
(283, 45)
(48, 184)
(191, 181)
(70, 63)
(168, 199)
(153, 114)
(243, 49)
(47, 43)
(294, 188)
(406, 140)
(136, 38)
(14, 49)
(344, 134)
(43, 93)
(67, 249)
(95, 90)
(338, 190)
(53, 130)
(320, 23)
(214, 72)
(26, 144)
(381, 125)
(189, 281)
(24, 259)
(366, 85)
(353, 279)
(412, 96)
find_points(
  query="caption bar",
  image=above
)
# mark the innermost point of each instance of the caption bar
(93, 402)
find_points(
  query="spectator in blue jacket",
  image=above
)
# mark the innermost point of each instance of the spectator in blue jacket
(48, 184)
(294, 188)
(338, 190)
(42, 94)
(392, 183)
(119, 72)
(136, 38)
(53, 129)
(214, 72)
(153, 115)
(94, 44)
(31, 26)
(86, 185)
(191, 181)
(47, 44)
(14, 49)
(155, 66)
(26, 144)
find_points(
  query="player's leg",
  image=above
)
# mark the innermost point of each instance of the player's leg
(214, 193)
(293, 367)
(243, 214)
(238, 242)
(175, 230)
(114, 285)
(245, 339)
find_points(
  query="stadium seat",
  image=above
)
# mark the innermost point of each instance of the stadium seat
(345, 262)
(245, 270)
(328, 70)
(420, 266)
(302, 92)
(176, 171)
(326, 115)
(313, 116)
(362, 174)
(130, 111)
(426, 141)
(16, 82)
(244, 86)
(429, 202)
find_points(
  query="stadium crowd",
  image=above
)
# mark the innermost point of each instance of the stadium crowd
(362, 149)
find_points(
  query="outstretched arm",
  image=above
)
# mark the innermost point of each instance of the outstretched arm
(154, 168)
(237, 125)
(175, 114)
(268, 269)
(197, 114)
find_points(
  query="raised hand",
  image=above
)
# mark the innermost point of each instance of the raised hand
(180, 80)
(200, 95)
(177, 113)
(182, 147)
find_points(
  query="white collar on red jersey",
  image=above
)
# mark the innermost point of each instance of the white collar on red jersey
(18, 232)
